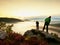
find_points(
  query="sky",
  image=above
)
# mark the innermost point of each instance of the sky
(26, 8)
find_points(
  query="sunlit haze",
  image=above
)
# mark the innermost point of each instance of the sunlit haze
(26, 8)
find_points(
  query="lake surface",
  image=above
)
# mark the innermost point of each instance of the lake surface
(22, 27)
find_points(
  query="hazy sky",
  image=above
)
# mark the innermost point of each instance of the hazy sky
(25, 8)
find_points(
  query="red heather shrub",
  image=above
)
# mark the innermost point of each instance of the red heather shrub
(11, 42)
(24, 43)
(5, 42)
(43, 42)
(18, 39)
(0, 42)
(15, 36)
(33, 41)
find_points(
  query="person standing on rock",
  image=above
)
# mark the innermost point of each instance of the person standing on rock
(37, 25)
(47, 22)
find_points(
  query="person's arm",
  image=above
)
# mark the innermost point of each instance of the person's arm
(49, 20)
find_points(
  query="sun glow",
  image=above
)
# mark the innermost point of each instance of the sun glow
(28, 8)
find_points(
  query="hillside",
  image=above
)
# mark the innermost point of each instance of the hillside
(9, 20)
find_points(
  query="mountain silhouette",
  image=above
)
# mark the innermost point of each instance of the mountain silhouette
(9, 20)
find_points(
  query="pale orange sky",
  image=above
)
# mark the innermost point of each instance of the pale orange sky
(25, 8)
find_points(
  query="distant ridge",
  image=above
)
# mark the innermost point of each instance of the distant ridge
(9, 20)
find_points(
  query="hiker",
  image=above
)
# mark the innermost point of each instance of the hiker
(37, 25)
(47, 22)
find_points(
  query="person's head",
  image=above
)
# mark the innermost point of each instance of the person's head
(36, 21)
(49, 16)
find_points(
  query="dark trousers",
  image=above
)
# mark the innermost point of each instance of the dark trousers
(37, 26)
(46, 25)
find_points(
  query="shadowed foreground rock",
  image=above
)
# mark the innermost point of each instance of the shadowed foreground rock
(51, 40)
